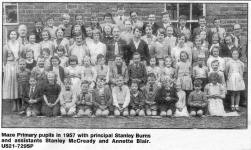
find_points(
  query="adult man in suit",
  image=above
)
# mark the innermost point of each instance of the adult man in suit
(202, 27)
(152, 23)
(117, 46)
(134, 19)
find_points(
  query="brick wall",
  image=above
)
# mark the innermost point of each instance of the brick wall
(229, 13)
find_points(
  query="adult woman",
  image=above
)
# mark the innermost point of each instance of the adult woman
(61, 40)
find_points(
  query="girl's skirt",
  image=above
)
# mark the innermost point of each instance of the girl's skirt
(235, 82)
(186, 83)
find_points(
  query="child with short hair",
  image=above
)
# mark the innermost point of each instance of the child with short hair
(215, 69)
(38, 29)
(47, 58)
(181, 108)
(102, 70)
(30, 62)
(184, 73)
(74, 72)
(215, 42)
(137, 70)
(121, 97)
(150, 91)
(200, 71)
(46, 42)
(203, 36)
(118, 68)
(51, 91)
(35, 47)
(85, 100)
(215, 56)
(215, 92)
(102, 98)
(153, 68)
(197, 100)
(58, 70)
(39, 72)
(88, 72)
(169, 71)
(67, 99)
(23, 76)
(235, 82)
(50, 27)
(33, 98)
(137, 100)
(166, 98)
(66, 26)
(61, 55)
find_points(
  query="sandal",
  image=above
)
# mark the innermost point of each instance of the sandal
(233, 108)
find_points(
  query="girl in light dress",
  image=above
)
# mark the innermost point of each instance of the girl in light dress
(184, 72)
(47, 43)
(61, 55)
(102, 70)
(235, 82)
(60, 40)
(73, 71)
(153, 68)
(215, 92)
(181, 109)
(10, 84)
(88, 72)
(96, 47)
(58, 70)
(169, 71)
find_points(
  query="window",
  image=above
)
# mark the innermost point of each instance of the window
(191, 10)
(10, 16)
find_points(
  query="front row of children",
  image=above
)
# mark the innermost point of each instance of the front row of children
(166, 99)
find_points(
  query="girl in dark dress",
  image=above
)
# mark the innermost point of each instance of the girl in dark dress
(51, 91)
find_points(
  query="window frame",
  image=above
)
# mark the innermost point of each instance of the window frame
(189, 20)
(4, 14)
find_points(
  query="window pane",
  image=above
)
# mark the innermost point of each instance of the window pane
(197, 11)
(172, 9)
(185, 10)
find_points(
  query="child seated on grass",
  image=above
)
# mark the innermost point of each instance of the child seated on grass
(102, 98)
(67, 99)
(33, 98)
(137, 100)
(84, 100)
(150, 91)
(121, 97)
(197, 100)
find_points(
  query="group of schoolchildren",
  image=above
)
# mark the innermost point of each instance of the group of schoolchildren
(124, 67)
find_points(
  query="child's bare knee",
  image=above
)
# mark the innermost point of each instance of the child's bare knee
(132, 113)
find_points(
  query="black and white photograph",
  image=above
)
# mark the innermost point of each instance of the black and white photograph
(125, 65)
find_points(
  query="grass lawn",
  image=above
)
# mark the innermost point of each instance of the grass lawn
(16, 121)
